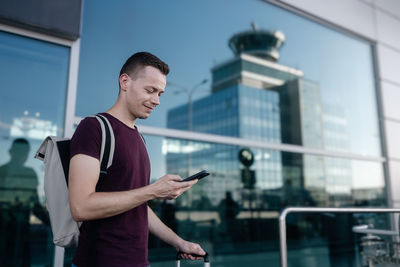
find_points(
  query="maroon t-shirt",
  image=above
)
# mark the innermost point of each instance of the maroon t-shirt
(121, 240)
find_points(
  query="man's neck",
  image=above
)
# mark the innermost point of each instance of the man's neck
(122, 115)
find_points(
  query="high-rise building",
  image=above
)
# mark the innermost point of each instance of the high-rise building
(256, 98)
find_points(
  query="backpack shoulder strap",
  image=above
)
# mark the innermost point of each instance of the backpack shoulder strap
(144, 141)
(107, 144)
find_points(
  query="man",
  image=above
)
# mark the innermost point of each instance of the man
(121, 216)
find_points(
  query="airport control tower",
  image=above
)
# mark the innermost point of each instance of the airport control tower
(253, 97)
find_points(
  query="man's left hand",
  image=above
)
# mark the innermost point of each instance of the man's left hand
(188, 248)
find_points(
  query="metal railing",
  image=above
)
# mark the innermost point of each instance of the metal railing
(285, 212)
(364, 229)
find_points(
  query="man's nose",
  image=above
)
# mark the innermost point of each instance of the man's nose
(155, 100)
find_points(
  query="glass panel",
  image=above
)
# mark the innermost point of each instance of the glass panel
(305, 84)
(234, 212)
(33, 85)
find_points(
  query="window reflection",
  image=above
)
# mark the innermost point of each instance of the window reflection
(317, 85)
(20, 206)
(256, 98)
(285, 80)
(33, 84)
(235, 209)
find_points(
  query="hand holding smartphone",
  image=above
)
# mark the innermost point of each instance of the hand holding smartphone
(198, 175)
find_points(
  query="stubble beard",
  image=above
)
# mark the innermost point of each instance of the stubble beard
(138, 114)
(143, 115)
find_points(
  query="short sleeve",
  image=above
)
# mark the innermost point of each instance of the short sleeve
(87, 138)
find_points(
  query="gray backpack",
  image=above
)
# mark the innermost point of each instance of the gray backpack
(54, 152)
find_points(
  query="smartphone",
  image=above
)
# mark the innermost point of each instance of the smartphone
(198, 175)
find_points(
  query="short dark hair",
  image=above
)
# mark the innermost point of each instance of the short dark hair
(21, 143)
(143, 59)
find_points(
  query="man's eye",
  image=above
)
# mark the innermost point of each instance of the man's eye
(150, 90)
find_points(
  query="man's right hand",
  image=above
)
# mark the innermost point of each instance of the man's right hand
(170, 187)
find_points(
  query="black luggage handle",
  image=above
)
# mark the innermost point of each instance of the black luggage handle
(205, 256)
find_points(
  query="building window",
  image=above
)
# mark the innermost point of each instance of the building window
(33, 85)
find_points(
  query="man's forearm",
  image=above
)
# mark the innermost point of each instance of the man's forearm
(106, 204)
(159, 229)
(87, 204)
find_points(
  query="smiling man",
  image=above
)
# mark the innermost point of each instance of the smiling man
(118, 214)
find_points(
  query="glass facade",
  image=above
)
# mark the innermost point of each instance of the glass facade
(263, 75)
(242, 69)
(340, 64)
(237, 221)
(33, 85)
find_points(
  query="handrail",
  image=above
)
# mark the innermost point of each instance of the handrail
(286, 211)
(364, 229)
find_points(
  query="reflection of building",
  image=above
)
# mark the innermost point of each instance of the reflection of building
(33, 128)
(254, 97)
(368, 196)
(338, 172)
(301, 120)
(219, 114)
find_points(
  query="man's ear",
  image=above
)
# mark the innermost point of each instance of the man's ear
(123, 81)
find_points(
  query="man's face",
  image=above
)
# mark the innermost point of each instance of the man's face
(143, 91)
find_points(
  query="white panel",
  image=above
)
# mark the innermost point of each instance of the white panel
(219, 139)
(368, 1)
(394, 172)
(392, 6)
(388, 29)
(396, 204)
(392, 139)
(389, 63)
(72, 88)
(354, 15)
(391, 98)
